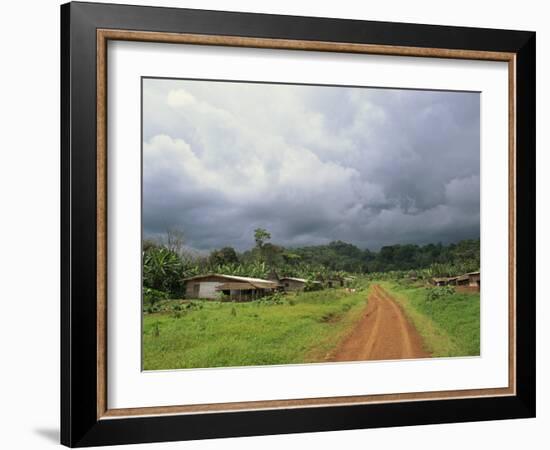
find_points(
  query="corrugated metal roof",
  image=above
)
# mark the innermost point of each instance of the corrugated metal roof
(230, 277)
(301, 280)
(256, 281)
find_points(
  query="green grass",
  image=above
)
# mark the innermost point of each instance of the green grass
(449, 326)
(304, 328)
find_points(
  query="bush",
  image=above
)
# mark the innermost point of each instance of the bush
(276, 298)
(439, 292)
(193, 306)
(152, 296)
(178, 310)
(221, 297)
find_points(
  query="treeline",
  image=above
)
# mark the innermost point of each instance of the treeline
(166, 261)
(342, 256)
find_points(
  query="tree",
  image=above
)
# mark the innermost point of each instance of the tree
(266, 252)
(272, 254)
(175, 240)
(261, 236)
(225, 255)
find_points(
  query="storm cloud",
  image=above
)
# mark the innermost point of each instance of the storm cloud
(311, 164)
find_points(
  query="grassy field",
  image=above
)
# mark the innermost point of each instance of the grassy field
(301, 328)
(449, 326)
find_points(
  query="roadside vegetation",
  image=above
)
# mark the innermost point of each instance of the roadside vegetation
(447, 320)
(280, 329)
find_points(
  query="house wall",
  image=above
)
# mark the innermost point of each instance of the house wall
(206, 289)
(191, 287)
(293, 285)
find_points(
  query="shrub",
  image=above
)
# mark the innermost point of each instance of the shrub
(277, 298)
(150, 309)
(178, 311)
(274, 299)
(439, 292)
(221, 297)
(192, 306)
(152, 296)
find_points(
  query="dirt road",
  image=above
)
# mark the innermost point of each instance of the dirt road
(383, 333)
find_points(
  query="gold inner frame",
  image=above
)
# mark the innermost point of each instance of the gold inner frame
(104, 35)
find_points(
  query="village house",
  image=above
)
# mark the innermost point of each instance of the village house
(213, 286)
(340, 282)
(443, 281)
(295, 284)
(470, 280)
(335, 282)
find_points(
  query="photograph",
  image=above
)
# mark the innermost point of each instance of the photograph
(299, 224)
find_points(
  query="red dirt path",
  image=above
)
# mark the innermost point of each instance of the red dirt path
(382, 333)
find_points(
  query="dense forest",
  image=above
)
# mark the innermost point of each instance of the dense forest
(167, 261)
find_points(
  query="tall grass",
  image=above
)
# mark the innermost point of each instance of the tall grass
(303, 328)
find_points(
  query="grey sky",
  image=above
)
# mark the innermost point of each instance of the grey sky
(311, 164)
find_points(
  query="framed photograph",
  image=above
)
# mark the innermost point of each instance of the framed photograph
(276, 224)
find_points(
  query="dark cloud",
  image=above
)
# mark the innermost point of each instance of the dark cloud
(310, 164)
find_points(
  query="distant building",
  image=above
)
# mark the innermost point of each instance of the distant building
(295, 284)
(475, 279)
(443, 281)
(335, 282)
(212, 286)
(470, 280)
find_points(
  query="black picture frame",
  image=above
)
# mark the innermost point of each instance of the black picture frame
(79, 423)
